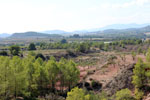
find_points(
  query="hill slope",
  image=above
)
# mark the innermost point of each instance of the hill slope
(130, 32)
(33, 35)
(120, 26)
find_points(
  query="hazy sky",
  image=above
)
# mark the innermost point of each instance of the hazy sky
(70, 15)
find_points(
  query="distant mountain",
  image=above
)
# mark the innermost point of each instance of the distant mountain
(4, 35)
(33, 35)
(55, 32)
(120, 26)
(81, 32)
(115, 30)
(88, 31)
(129, 32)
(64, 33)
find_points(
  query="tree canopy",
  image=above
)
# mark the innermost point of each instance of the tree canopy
(32, 46)
(30, 77)
(14, 50)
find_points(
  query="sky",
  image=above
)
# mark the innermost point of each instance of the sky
(70, 15)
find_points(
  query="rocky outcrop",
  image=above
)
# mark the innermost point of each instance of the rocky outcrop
(121, 81)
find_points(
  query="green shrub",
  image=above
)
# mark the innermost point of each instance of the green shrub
(138, 94)
(32, 46)
(14, 50)
(124, 94)
(3, 53)
(63, 41)
(39, 55)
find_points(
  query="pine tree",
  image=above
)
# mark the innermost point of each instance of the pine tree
(52, 70)
(77, 94)
(14, 50)
(139, 76)
(4, 78)
(148, 55)
(42, 79)
(72, 74)
(32, 46)
(62, 73)
(18, 82)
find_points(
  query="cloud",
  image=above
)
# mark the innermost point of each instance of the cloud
(127, 4)
(38, 16)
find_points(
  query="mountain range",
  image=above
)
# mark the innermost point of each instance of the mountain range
(82, 32)
(111, 29)
(34, 35)
(129, 32)
(55, 32)
(120, 26)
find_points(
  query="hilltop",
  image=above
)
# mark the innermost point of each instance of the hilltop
(33, 35)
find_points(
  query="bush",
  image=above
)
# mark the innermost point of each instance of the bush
(83, 47)
(32, 46)
(39, 55)
(124, 94)
(63, 41)
(77, 94)
(96, 85)
(80, 94)
(71, 53)
(14, 50)
(87, 84)
(138, 94)
(3, 53)
(101, 96)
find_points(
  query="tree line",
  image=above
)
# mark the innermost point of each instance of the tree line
(29, 77)
(83, 47)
